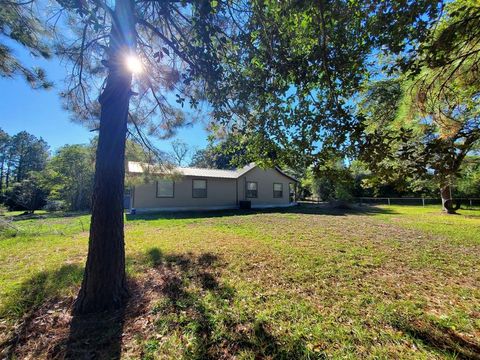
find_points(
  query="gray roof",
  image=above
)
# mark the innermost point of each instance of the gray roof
(139, 168)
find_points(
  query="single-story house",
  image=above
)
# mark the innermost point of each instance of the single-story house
(186, 188)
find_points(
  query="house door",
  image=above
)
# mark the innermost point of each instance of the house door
(126, 198)
(291, 192)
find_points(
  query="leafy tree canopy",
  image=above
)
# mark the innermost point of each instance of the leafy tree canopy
(420, 125)
(19, 155)
(29, 194)
(303, 63)
(69, 176)
(228, 152)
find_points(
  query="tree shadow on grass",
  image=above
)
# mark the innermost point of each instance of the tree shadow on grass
(43, 290)
(96, 336)
(43, 285)
(197, 306)
(48, 215)
(45, 328)
(443, 339)
(308, 209)
(180, 297)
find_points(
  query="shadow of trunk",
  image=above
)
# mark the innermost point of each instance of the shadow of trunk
(94, 336)
(445, 340)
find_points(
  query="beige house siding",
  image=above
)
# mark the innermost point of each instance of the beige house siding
(221, 193)
(265, 178)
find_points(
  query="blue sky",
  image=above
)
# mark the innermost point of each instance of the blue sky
(40, 111)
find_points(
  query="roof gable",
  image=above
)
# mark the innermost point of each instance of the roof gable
(285, 174)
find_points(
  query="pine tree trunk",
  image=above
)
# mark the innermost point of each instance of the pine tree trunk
(104, 284)
(7, 177)
(1, 175)
(19, 170)
(447, 201)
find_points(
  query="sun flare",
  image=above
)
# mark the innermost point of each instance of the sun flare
(134, 65)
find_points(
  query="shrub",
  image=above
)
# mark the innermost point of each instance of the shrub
(55, 205)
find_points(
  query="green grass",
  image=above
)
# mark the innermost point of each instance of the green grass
(384, 282)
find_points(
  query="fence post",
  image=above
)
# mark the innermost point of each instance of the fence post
(423, 201)
(388, 201)
(470, 202)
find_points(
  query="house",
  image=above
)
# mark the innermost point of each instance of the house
(186, 188)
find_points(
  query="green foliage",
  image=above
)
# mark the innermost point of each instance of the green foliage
(418, 128)
(413, 138)
(387, 144)
(29, 194)
(468, 184)
(20, 154)
(28, 175)
(229, 152)
(336, 180)
(20, 23)
(27, 153)
(4, 157)
(69, 175)
(304, 63)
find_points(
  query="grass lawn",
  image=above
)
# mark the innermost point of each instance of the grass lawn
(381, 282)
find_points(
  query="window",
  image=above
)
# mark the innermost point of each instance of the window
(165, 188)
(252, 189)
(277, 190)
(199, 188)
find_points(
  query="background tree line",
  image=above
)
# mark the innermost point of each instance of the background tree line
(31, 179)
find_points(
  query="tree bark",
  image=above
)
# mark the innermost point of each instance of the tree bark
(20, 169)
(7, 175)
(1, 175)
(104, 284)
(447, 201)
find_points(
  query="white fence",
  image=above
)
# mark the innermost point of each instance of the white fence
(469, 202)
